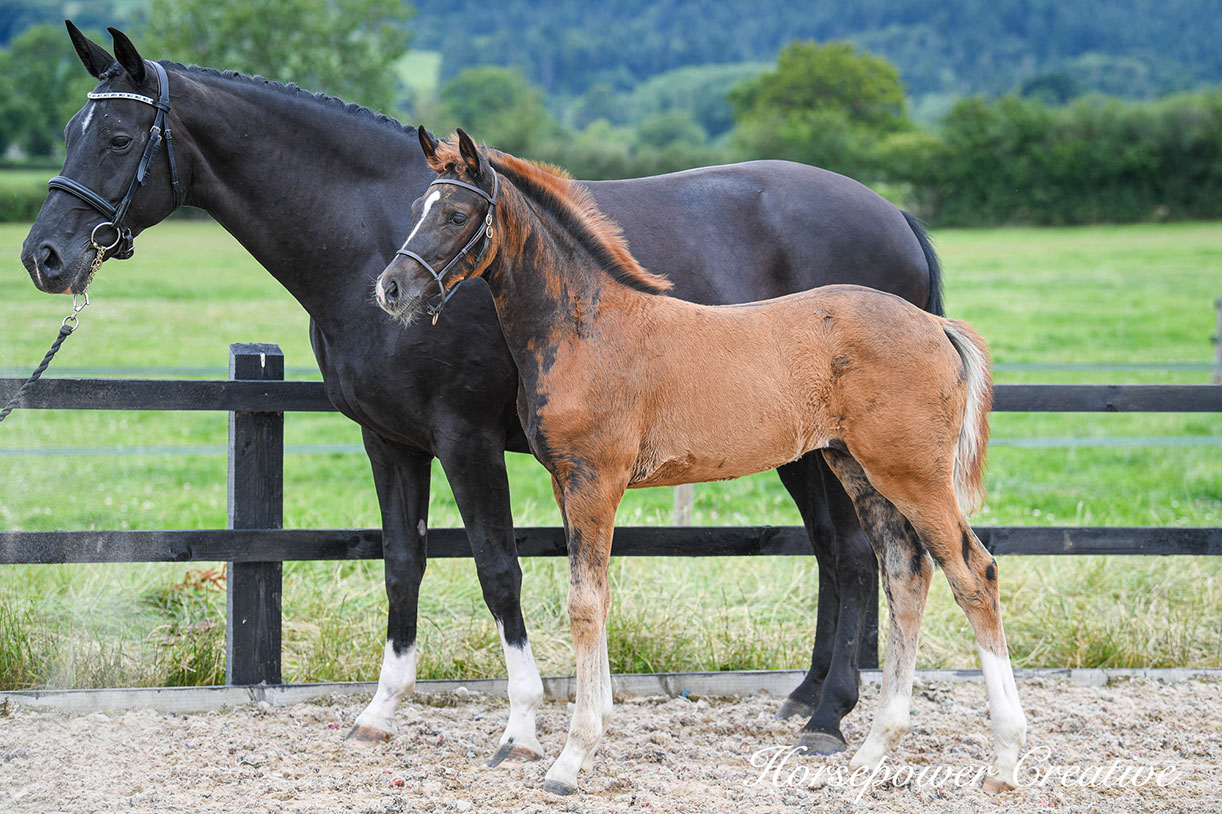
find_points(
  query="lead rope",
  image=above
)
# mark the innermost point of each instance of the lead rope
(70, 324)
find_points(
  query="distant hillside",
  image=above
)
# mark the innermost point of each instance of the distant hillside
(1133, 48)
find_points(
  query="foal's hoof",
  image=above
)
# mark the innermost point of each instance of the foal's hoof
(558, 787)
(792, 707)
(821, 743)
(366, 736)
(995, 785)
(513, 754)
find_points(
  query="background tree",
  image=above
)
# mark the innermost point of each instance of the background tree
(827, 105)
(42, 84)
(342, 47)
(498, 106)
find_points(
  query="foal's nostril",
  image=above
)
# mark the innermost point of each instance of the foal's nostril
(390, 292)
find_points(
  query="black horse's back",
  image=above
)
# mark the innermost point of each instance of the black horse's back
(760, 229)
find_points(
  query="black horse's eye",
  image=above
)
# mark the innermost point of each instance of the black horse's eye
(458, 219)
(120, 142)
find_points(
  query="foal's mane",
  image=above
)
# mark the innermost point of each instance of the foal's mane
(553, 190)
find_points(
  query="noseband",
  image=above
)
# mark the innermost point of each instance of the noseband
(482, 235)
(117, 213)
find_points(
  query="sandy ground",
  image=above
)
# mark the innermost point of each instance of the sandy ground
(659, 755)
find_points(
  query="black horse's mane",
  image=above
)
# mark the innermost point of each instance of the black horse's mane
(293, 90)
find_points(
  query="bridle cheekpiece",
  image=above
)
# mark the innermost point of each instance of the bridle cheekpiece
(484, 234)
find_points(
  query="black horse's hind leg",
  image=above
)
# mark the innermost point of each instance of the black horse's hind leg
(401, 477)
(475, 467)
(847, 587)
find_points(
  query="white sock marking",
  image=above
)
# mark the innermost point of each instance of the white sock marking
(396, 680)
(525, 692)
(1006, 713)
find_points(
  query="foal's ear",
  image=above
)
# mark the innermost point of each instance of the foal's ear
(470, 153)
(127, 55)
(95, 58)
(428, 143)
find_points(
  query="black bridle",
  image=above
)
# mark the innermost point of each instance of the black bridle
(116, 214)
(483, 234)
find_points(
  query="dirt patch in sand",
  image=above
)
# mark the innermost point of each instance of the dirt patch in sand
(659, 754)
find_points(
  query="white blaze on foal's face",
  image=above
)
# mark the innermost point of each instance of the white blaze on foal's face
(428, 204)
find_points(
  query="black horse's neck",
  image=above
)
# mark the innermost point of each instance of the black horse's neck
(318, 192)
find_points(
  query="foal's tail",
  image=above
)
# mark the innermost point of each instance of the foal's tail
(974, 435)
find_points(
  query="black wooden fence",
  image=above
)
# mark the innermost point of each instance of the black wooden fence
(255, 544)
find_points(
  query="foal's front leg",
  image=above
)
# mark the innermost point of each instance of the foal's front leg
(589, 516)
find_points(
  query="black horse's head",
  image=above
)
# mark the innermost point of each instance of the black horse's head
(114, 152)
(453, 235)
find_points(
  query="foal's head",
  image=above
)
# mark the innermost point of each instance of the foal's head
(454, 237)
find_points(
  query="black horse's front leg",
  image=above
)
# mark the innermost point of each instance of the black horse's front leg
(401, 476)
(475, 466)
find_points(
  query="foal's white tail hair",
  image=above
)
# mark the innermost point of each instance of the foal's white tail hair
(974, 435)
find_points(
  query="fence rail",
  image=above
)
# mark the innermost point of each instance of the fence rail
(294, 396)
(255, 545)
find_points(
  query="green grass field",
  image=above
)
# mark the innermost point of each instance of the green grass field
(1100, 294)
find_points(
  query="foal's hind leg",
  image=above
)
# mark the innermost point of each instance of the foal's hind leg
(906, 571)
(931, 506)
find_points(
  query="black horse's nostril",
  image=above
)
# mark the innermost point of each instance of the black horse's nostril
(390, 292)
(49, 260)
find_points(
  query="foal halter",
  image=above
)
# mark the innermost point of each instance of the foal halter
(117, 213)
(482, 235)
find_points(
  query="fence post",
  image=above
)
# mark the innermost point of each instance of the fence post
(256, 501)
(685, 501)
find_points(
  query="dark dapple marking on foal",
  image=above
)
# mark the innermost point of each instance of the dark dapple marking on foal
(967, 547)
(990, 572)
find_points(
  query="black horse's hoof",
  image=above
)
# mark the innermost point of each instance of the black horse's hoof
(793, 707)
(366, 736)
(557, 787)
(512, 754)
(821, 743)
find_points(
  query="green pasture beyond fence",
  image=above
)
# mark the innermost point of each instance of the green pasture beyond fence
(1113, 304)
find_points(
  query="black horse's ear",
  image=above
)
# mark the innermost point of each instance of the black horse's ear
(127, 55)
(428, 143)
(95, 58)
(469, 152)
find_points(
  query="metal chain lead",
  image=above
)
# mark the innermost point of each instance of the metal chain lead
(70, 323)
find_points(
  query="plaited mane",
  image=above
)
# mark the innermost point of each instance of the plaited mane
(553, 189)
(292, 90)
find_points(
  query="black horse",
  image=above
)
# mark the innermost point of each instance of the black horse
(320, 193)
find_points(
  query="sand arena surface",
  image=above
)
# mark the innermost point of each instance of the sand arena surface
(659, 755)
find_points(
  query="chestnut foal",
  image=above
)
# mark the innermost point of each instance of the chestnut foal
(623, 387)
